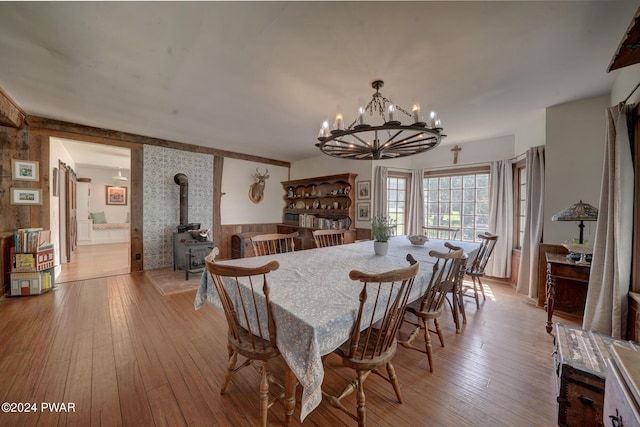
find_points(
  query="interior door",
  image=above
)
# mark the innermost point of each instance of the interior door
(71, 213)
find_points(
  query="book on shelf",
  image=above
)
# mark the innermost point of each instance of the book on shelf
(27, 240)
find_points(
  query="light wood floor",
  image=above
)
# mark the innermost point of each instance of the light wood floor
(92, 261)
(124, 355)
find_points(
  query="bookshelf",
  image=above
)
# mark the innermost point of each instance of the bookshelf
(32, 262)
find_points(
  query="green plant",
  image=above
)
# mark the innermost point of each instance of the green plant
(382, 228)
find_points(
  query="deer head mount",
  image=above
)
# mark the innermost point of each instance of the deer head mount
(256, 190)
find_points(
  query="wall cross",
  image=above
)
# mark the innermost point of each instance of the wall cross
(455, 150)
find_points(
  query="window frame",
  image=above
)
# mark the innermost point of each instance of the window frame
(407, 177)
(485, 169)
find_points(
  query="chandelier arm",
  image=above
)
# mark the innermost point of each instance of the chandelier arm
(410, 139)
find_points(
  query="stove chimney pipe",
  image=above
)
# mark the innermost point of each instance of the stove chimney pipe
(182, 180)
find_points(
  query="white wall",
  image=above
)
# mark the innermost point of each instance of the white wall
(100, 178)
(574, 153)
(476, 152)
(531, 133)
(237, 208)
(627, 79)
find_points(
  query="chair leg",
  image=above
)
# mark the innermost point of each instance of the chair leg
(427, 342)
(394, 381)
(233, 359)
(461, 305)
(362, 416)
(439, 331)
(482, 289)
(264, 394)
(475, 291)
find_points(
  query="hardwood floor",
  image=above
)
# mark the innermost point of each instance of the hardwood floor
(125, 356)
(92, 261)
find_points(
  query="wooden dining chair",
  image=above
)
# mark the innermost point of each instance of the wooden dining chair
(325, 238)
(445, 274)
(373, 344)
(456, 303)
(249, 317)
(476, 268)
(270, 244)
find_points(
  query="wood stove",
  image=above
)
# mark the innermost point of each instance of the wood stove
(189, 249)
(189, 253)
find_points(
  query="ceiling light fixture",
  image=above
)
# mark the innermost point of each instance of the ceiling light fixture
(386, 139)
(119, 177)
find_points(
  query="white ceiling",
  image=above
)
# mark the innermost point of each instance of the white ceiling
(259, 77)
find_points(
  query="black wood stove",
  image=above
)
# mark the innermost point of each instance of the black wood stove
(190, 246)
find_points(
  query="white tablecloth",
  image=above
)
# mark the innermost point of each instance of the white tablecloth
(314, 301)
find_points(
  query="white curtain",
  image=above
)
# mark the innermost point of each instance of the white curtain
(534, 220)
(501, 217)
(606, 307)
(380, 191)
(416, 203)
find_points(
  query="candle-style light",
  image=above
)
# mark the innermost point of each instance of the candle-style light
(361, 112)
(391, 111)
(415, 112)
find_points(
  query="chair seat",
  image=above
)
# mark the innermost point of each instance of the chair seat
(370, 363)
(262, 350)
(414, 308)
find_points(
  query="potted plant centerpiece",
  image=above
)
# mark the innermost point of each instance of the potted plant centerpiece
(382, 228)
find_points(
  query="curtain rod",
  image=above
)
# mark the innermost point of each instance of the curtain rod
(631, 93)
(461, 166)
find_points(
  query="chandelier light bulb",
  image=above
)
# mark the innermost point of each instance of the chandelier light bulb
(361, 115)
(415, 113)
(324, 130)
(391, 111)
(433, 118)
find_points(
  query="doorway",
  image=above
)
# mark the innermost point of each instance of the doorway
(93, 232)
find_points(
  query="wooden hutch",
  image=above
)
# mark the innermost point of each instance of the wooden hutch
(326, 202)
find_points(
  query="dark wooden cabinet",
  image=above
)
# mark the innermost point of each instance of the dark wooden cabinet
(567, 283)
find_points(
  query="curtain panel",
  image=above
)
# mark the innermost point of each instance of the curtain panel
(534, 220)
(501, 217)
(415, 219)
(380, 191)
(606, 306)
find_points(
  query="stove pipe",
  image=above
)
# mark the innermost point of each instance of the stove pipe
(183, 182)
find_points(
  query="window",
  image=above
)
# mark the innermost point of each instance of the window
(457, 200)
(520, 211)
(397, 185)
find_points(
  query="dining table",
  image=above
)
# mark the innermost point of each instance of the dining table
(314, 302)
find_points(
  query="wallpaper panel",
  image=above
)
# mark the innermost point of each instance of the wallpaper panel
(162, 199)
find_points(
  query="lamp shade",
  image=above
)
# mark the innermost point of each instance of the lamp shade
(577, 212)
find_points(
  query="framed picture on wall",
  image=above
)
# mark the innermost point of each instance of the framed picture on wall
(363, 213)
(24, 170)
(364, 190)
(116, 195)
(26, 196)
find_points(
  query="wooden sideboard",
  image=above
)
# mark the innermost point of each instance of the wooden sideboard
(571, 298)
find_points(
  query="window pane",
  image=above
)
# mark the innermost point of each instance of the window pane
(457, 201)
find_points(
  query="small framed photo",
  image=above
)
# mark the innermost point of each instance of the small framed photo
(363, 213)
(26, 196)
(116, 195)
(24, 170)
(364, 190)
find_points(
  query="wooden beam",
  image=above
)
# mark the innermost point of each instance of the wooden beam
(41, 123)
(628, 52)
(10, 114)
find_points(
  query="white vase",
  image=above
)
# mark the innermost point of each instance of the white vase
(380, 248)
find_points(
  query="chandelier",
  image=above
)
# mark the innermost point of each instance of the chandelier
(387, 138)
